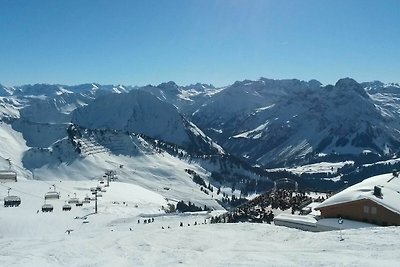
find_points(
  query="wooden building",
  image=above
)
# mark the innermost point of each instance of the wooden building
(375, 200)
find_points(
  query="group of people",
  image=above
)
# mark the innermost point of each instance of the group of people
(146, 220)
(181, 224)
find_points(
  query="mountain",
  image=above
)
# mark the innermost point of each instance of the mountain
(264, 123)
(6, 91)
(55, 130)
(143, 113)
(186, 98)
(281, 122)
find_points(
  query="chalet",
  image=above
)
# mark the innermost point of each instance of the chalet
(8, 176)
(374, 200)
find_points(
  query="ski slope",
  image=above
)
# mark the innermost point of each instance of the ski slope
(113, 237)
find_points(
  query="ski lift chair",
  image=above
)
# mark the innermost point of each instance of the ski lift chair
(12, 201)
(47, 208)
(66, 207)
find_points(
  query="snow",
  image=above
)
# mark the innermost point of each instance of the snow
(264, 108)
(28, 238)
(147, 182)
(321, 167)
(257, 130)
(314, 224)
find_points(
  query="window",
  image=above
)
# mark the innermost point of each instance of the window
(373, 210)
(366, 209)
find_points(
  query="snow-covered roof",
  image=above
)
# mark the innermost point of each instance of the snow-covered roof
(300, 219)
(389, 198)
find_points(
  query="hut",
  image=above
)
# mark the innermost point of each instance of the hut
(374, 200)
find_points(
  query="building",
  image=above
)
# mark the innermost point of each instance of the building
(374, 200)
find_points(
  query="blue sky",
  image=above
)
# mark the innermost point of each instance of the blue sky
(211, 41)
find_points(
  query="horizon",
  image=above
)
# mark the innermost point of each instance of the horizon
(185, 85)
(213, 42)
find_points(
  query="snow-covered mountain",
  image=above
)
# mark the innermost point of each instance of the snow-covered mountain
(6, 91)
(291, 121)
(339, 119)
(65, 132)
(143, 113)
(273, 123)
(186, 98)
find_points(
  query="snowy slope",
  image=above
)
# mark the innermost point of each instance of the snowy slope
(141, 112)
(137, 112)
(113, 236)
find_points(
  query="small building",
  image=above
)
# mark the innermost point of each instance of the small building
(374, 200)
(8, 176)
(306, 223)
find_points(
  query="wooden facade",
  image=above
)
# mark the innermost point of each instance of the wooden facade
(364, 210)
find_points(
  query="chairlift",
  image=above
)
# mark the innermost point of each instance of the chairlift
(73, 200)
(12, 201)
(47, 208)
(66, 207)
(52, 194)
(86, 200)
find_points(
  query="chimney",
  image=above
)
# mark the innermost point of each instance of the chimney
(377, 191)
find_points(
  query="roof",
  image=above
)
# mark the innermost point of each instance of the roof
(300, 219)
(390, 189)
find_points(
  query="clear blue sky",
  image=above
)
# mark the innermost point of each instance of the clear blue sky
(149, 42)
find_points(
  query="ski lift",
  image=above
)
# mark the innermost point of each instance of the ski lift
(73, 200)
(47, 208)
(11, 201)
(8, 176)
(86, 199)
(52, 194)
(66, 207)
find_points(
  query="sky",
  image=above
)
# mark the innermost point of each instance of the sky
(210, 41)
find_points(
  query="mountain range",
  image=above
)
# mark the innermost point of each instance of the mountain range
(264, 123)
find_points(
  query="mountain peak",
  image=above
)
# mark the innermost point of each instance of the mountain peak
(350, 84)
(168, 85)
